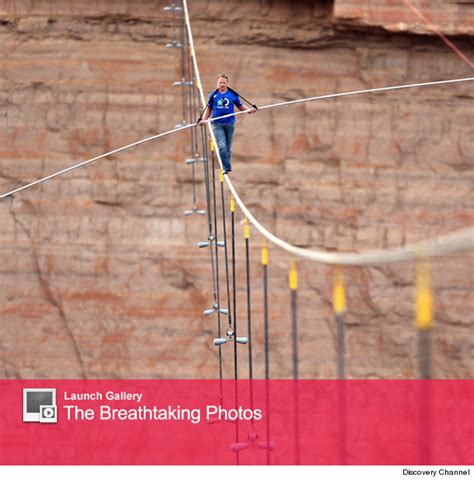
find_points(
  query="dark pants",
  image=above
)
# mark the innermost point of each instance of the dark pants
(224, 135)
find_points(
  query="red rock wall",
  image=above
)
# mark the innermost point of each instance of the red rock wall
(450, 17)
(100, 273)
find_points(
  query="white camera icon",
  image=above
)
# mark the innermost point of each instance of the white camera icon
(39, 405)
(48, 414)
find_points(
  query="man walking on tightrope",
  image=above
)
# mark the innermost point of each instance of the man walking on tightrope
(221, 102)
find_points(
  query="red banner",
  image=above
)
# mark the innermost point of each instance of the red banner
(189, 422)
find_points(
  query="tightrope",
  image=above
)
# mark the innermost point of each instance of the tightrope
(82, 164)
(263, 107)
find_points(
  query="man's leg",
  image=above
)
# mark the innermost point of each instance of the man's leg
(229, 132)
(222, 145)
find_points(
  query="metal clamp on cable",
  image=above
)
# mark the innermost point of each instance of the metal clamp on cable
(180, 83)
(195, 210)
(230, 337)
(173, 8)
(197, 159)
(209, 242)
(173, 44)
(213, 309)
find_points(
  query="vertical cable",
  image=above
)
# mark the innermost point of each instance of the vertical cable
(187, 83)
(194, 101)
(234, 290)
(424, 325)
(209, 210)
(234, 313)
(174, 41)
(216, 247)
(249, 308)
(224, 230)
(424, 316)
(293, 282)
(183, 74)
(205, 152)
(339, 306)
(267, 344)
(265, 310)
(231, 331)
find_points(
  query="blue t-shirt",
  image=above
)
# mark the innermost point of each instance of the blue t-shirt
(223, 104)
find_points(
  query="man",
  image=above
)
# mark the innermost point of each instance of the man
(221, 102)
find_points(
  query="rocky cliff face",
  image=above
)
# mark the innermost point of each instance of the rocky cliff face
(453, 17)
(100, 273)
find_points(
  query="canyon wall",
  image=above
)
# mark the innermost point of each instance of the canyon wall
(100, 274)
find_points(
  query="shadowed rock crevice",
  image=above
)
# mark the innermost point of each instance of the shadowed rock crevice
(48, 291)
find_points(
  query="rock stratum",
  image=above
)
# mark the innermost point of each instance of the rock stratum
(100, 273)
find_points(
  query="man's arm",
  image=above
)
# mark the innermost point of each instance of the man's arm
(205, 116)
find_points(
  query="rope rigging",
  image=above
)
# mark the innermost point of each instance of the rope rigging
(458, 241)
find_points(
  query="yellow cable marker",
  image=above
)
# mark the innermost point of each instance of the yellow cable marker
(265, 255)
(424, 295)
(339, 292)
(293, 277)
(232, 203)
(246, 229)
(212, 145)
(221, 176)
